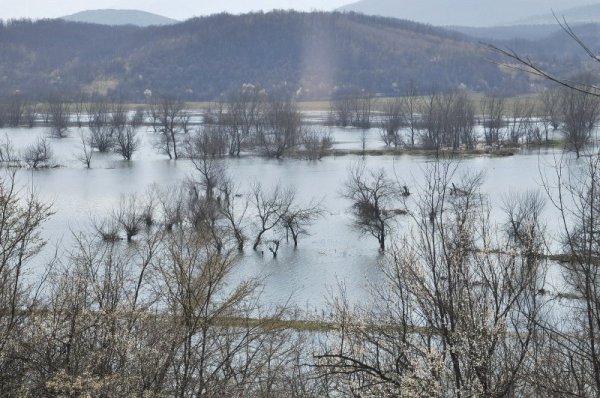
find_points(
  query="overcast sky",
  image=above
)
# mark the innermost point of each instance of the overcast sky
(178, 9)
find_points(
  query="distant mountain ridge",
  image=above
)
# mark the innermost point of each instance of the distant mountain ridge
(577, 15)
(474, 13)
(114, 17)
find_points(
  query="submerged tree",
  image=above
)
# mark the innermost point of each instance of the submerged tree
(551, 110)
(243, 115)
(316, 143)
(580, 115)
(171, 121)
(14, 108)
(234, 208)
(392, 120)
(282, 129)
(492, 109)
(520, 123)
(127, 142)
(60, 116)
(296, 220)
(448, 121)
(372, 195)
(38, 154)
(269, 208)
(87, 152)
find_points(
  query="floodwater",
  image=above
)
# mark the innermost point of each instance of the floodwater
(333, 254)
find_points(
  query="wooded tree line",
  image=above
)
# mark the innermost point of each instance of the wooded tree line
(271, 123)
(144, 302)
(250, 119)
(450, 120)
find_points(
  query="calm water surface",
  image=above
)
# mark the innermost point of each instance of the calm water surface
(333, 254)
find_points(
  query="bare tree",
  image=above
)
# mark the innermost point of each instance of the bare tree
(551, 110)
(580, 115)
(520, 122)
(22, 216)
(102, 138)
(99, 122)
(269, 208)
(168, 299)
(463, 121)
(87, 152)
(117, 117)
(112, 128)
(411, 107)
(233, 211)
(97, 302)
(45, 111)
(8, 154)
(392, 120)
(372, 196)
(107, 229)
(282, 130)
(353, 108)
(127, 142)
(208, 358)
(297, 219)
(79, 108)
(211, 140)
(129, 216)
(38, 154)
(244, 115)
(171, 121)
(362, 107)
(341, 110)
(15, 106)
(30, 114)
(492, 110)
(172, 204)
(59, 112)
(449, 121)
(137, 119)
(316, 143)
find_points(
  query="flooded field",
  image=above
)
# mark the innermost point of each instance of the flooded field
(334, 252)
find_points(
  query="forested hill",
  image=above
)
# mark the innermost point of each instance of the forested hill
(313, 54)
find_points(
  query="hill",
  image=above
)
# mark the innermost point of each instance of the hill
(576, 15)
(119, 17)
(313, 54)
(480, 13)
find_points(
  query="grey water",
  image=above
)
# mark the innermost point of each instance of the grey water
(333, 254)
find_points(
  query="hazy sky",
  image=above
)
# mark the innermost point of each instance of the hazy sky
(179, 9)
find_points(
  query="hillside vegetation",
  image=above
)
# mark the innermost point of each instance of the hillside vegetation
(312, 54)
(203, 57)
